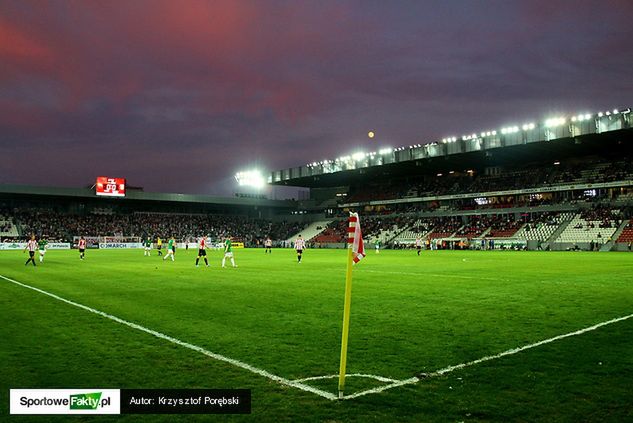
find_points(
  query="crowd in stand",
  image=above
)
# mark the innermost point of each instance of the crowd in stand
(528, 177)
(604, 215)
(5, 224)
(57, 226)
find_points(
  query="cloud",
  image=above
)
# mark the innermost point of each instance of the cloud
(208, 87)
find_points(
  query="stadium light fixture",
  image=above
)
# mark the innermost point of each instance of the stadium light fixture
(600, 114)
(358, 156)
(615, 111)
(250, 178)
(554, 122)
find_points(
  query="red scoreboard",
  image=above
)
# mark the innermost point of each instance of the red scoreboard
(110, 187)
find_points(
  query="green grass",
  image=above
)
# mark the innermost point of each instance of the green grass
(409, 314)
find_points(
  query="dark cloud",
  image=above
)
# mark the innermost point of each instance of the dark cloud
(177, 96)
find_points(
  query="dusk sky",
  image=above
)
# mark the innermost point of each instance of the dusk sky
(176, 96)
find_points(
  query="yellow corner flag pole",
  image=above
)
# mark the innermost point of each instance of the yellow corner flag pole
(346, 312)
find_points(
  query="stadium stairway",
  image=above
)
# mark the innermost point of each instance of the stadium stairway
(559, 230)
(608, 246)
(616, 235)
(313, 229)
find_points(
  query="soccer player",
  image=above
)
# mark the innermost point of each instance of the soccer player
(418, 245)
(31, 245)
(377, 246)
(170, 249)
(299, 246)
(269, 245)
(159, 246)
(147, 243)
(202, 246)
(228, 252)
(41, 246)
(82, 248)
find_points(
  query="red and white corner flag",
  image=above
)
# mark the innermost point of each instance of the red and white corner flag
(355, 238)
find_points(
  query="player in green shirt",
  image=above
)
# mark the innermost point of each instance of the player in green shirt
(41, 246)
(147, 243)
(171, 245)
(228, 252)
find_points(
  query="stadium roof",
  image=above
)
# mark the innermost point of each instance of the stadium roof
(559, 138)
(141, 196)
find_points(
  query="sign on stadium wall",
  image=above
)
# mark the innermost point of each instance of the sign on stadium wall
(58, 246)
(119, 245)
(22, 246)
(12, 245)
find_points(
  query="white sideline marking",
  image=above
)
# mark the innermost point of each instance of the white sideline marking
(213, 355)
(487, 358)
(378, 378)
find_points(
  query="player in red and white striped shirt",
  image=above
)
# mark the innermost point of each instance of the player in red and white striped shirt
(299, 246)
(202, 246)
(31, 245)
(82, 248)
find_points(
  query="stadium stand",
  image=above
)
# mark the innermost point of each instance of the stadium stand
(542, 227)
(418, 229)
(7, 228)
(627, 234)
(445, 227)
(311, 231)
(56, 225)
(596, 225)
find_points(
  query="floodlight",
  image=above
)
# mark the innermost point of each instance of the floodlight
(251, 178)
(553, 122)
(358, 156)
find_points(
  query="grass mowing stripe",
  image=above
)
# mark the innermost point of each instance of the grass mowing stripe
(445, 275)
(213, 355)
(487, 358)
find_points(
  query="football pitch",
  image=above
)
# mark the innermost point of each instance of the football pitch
(437, 337)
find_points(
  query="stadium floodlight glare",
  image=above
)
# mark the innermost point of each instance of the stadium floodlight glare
(250, 178)
(615, 111)
(510, 130)
(528, 126)
(600, 114)
(588, 116)
(554, 122)
(358, 156)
